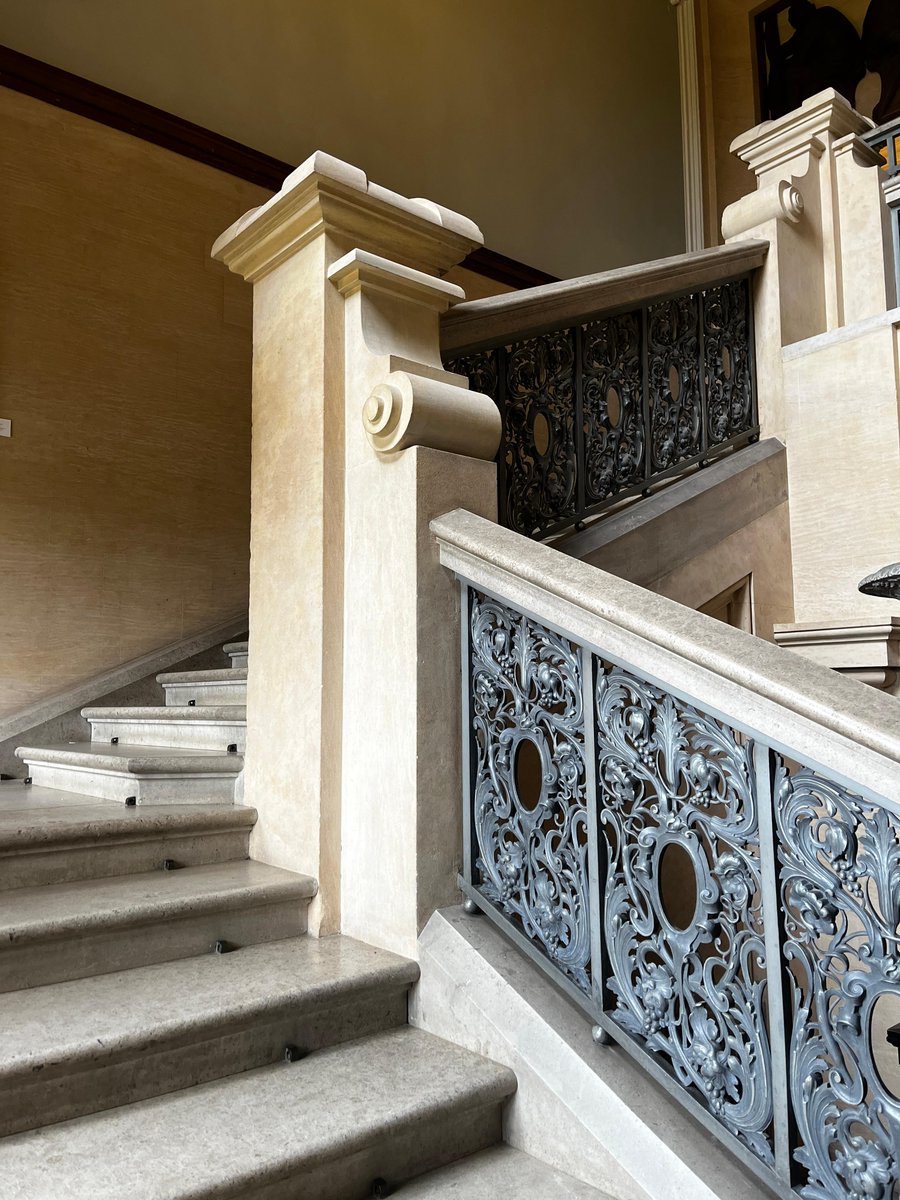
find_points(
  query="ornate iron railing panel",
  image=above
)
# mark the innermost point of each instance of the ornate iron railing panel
(529, 819)
(731, 920)
(840, 892)
(605, 409)
(690, 985)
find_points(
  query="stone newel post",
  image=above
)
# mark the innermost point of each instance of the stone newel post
(359, 438)
(828, 378)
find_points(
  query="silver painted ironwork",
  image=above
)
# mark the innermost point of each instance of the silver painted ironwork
(691, 985)
(531, 847)
(604, 409)
(840, 890)
(730, 919)
(884, 584)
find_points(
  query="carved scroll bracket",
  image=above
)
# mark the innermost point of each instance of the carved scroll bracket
(414, 410)
(780, 201)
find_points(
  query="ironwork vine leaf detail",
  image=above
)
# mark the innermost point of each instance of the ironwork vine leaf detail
(613, 406)
(481, 369)
(673, 363)
(531, 862)
(726, 352)
(668, 774)
(840, 892)
(539, 446)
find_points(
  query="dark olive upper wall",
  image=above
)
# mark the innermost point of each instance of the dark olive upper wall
(555, 126)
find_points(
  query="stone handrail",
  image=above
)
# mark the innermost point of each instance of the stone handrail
(515, 315)
(697, 836)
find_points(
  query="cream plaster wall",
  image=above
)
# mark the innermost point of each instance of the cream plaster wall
(729, 65)
(555, 126)
(125, 369)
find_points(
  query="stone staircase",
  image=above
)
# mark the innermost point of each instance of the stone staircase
(168, 1029)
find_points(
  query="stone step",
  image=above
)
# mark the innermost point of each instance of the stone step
(191, 728)
(56, 932)
(204, 687)
(149, 775)
(501, 1172)
(49, 836)
(157, 1029)
(390, 1107)
(237, 652)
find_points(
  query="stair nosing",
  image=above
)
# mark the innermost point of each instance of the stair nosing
(251, 1095)
(159, 761)
(224, 899)
(122, 826)
(219, 675)
(174, 1029)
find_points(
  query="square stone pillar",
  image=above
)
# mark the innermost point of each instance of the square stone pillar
(826, 342)
(302, 511)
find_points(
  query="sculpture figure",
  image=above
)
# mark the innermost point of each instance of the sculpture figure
(824, 51)
(881, 43)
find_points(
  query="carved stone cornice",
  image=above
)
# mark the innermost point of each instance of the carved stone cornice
(804, 132)
(327, 196)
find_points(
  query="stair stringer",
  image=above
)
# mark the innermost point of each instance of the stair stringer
(583, 1108)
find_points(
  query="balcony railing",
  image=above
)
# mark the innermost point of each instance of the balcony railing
(698, 838)
(610, 384)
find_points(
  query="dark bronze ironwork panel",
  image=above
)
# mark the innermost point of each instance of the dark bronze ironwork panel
(604, 410)
(613, 406)
(675, 374)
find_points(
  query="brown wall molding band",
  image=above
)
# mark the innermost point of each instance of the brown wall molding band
(102, 104)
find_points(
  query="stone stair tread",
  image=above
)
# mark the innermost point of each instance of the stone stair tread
(236, 647)
(230, 713)
(16, 796)
(85, 906)
(239, 1134)
(499, 1171)
(223, 675)
(146, 1008)
(134, 760)
(39, 819)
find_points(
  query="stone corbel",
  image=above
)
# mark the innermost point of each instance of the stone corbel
(414, 410)
(779, 201)
(395, 312)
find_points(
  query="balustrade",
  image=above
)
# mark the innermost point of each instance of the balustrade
(606, 406)
(723, 904)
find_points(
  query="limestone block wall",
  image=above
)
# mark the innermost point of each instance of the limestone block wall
(125, 357)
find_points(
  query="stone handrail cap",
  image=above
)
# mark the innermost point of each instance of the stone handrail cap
(786, 699)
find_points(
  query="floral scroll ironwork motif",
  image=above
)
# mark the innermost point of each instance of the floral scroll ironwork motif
(482, 369)
(613, 406)
(674, 368)
(726, 352)
(691, 988)
(840, 891)
(602, 410)
(531, 860)
(539, 444)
